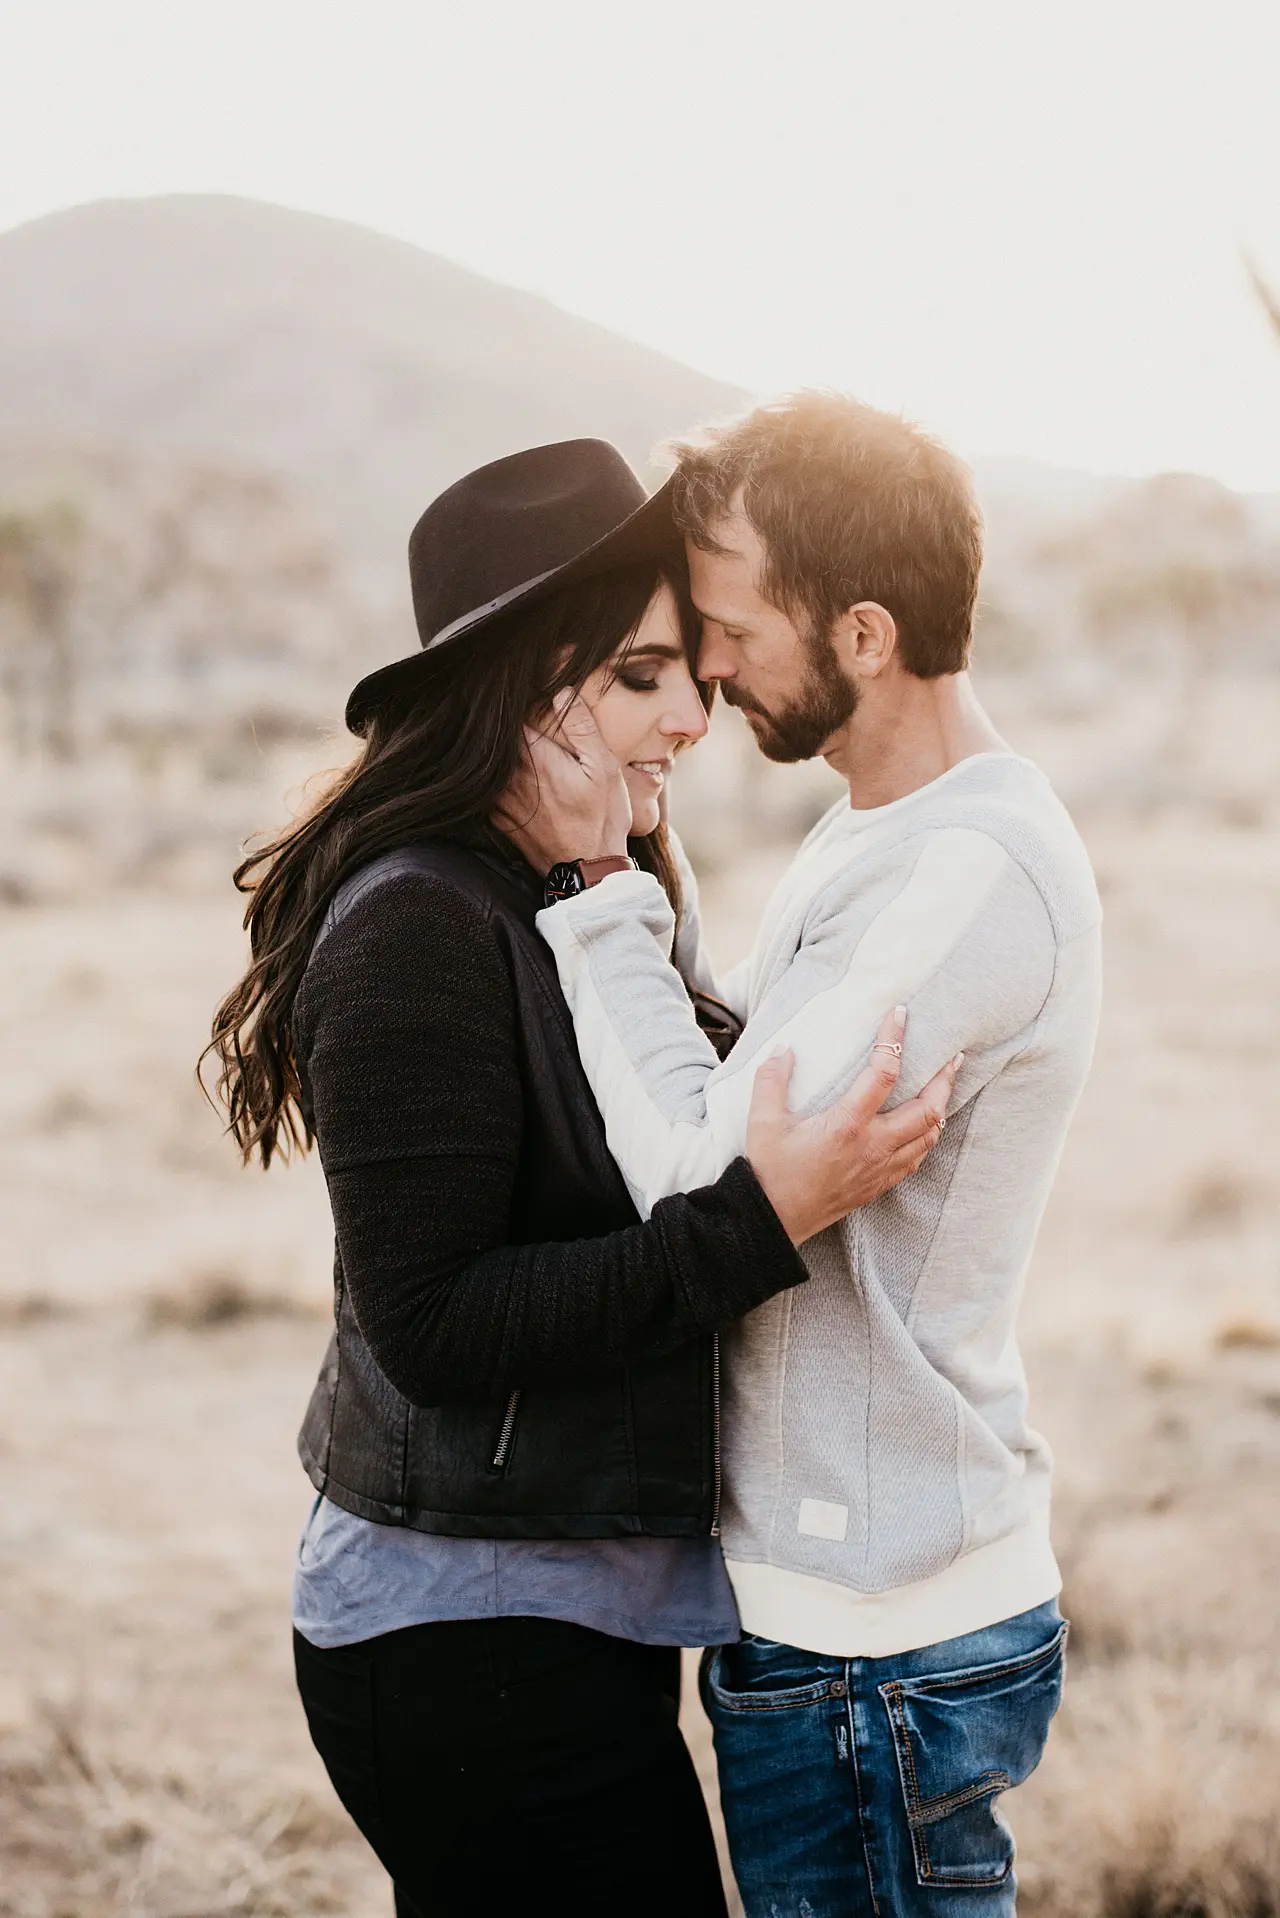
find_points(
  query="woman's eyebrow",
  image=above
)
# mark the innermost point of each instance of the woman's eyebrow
(656, 652)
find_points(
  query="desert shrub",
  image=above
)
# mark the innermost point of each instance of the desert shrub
(1157, 1797)
(217, 1297)
(87, 1832)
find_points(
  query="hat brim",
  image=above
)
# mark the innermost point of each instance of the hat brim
(644, 534)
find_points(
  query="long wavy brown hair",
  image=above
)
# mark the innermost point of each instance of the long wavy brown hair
(433, 766)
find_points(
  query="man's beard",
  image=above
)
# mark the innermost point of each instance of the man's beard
(825, 703)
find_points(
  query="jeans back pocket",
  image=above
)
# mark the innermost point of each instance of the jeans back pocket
(961, 1738)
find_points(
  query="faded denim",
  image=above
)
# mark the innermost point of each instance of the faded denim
(869, 1787)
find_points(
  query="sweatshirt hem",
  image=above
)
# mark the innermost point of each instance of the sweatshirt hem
(1013, 1574)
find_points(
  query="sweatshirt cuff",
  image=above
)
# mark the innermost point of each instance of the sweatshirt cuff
(620, 897)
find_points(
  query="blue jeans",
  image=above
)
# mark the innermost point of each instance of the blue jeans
(867, 1787)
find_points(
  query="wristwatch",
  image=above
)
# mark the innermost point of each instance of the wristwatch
(572, 876)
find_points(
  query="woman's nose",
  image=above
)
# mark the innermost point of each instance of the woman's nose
(688, 719)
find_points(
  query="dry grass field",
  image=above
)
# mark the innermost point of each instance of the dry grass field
(162, 1313)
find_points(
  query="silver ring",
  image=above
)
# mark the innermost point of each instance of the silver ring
(888, 1045)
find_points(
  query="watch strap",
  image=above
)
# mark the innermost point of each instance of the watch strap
(569, 877)
(594, 870)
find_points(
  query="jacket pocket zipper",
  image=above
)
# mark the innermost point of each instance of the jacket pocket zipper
(715, 1435)
(506, 1433)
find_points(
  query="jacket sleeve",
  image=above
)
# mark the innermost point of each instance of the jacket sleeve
(405, 1029)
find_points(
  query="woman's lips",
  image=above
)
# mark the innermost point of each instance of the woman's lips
(654, 769)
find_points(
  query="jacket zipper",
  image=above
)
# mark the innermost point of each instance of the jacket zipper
(502, 1450)
(715, 1434)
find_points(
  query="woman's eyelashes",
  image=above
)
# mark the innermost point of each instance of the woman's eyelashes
(636, 683)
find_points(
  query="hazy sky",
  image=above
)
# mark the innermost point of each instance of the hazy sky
(1021, 222)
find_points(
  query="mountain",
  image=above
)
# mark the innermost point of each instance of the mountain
(368, 370)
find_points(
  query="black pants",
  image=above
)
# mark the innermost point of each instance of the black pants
(514, 1766)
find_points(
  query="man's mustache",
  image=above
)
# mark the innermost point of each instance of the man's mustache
(734, 696)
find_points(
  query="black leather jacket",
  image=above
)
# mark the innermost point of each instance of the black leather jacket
(627, 1448)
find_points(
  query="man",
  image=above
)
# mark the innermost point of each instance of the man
(885, 1502)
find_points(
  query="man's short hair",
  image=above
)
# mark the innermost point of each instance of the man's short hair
(851, 504)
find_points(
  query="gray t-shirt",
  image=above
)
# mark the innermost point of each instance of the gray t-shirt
(356, 1580)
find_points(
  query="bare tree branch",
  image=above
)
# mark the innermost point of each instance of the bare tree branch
(1269, 298)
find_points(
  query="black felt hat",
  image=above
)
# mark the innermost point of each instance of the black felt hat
(509, 534)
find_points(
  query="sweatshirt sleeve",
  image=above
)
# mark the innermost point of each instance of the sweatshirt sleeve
(690, 949)
(405, 1028)
(957, 932)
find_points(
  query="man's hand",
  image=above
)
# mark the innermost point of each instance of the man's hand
(568, 799)
(815, 1171)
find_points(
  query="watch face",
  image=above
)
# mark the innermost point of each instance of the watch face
(565, 881)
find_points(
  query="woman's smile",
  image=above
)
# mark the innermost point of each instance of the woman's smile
(654, 769)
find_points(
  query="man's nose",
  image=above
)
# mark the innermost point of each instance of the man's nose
(715, 657)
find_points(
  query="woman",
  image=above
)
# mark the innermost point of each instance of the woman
(514, 1437)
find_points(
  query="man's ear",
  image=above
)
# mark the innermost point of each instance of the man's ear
(865, 639)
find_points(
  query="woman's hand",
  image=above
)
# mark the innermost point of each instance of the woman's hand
(816, 1171)
(568, 799)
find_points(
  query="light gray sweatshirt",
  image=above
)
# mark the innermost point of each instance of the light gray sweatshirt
(882, 1488)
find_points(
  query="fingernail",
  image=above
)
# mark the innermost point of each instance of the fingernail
(958, 1061)
(899, 1017)
(779, 1052)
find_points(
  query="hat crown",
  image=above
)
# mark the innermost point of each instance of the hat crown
(511, 522)
(512, 533)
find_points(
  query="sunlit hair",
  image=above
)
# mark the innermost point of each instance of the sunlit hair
(435, 761)
(851, 504)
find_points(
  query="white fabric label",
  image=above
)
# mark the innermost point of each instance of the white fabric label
(820, 1519)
